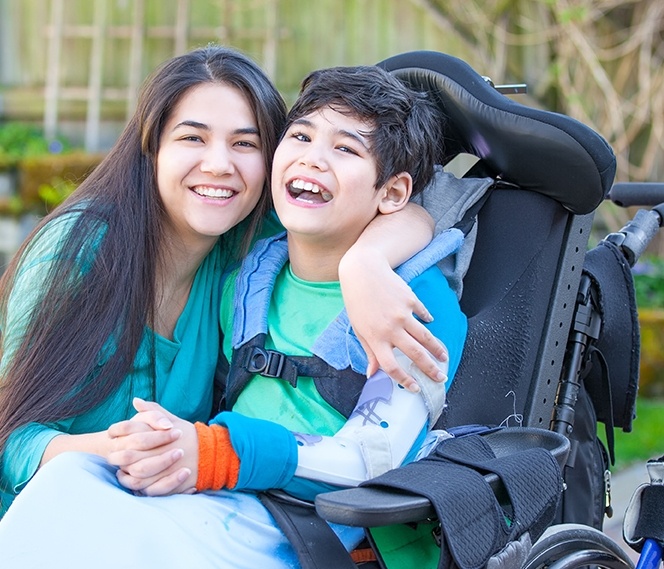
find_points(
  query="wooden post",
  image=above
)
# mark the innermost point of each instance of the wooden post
(271, 39)
(135, 55)
(53, 72)
(181, 27)
(92, 126)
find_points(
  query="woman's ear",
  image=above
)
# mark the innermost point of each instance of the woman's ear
(396, 193)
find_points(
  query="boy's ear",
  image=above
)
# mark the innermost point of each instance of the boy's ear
(396, 193)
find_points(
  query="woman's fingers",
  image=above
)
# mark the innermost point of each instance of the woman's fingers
(175, 482)
(421, 311)
(418, 344)
(153, 414)
(423, 336)
(178, 482)
(141, 422)
(138, 465)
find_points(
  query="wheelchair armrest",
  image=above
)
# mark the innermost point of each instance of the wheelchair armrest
(374, 507)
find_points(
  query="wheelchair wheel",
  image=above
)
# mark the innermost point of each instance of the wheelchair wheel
(573, 546)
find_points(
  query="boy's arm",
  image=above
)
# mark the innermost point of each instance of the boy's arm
(382, 308)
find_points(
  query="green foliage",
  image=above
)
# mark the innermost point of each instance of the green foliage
(649, 282)
(48, 170)
(645, 440)
(54, 193)
(573, 14)
(20, 140)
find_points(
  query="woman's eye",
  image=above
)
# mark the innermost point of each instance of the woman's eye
(191, 138)
(301, 137)
(247, 144)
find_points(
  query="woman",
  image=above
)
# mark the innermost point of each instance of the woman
(115, 295)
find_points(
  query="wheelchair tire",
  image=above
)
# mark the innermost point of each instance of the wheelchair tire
(573, 546)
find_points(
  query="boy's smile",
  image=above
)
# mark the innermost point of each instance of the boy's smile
(310, 192)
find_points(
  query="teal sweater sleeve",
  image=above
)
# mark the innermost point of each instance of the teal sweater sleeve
(22, 456)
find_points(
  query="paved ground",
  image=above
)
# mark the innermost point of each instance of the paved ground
(623, 485)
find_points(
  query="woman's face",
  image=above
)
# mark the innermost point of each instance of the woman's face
(210, 169)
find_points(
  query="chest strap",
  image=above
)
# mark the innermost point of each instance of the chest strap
(339, 388)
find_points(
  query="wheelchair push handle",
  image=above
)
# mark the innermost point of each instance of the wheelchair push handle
(627, 194)
(634, 237)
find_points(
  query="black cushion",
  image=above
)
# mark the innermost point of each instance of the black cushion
(542, 151)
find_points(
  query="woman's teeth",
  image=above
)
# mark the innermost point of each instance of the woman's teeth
(213, 192)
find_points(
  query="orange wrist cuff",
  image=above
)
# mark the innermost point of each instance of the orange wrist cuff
(218, 464)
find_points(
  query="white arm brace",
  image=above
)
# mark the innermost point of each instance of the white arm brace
(379, 432)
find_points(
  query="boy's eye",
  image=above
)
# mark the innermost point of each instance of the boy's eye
(347, 149)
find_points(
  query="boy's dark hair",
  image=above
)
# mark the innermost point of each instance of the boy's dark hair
(407, 134)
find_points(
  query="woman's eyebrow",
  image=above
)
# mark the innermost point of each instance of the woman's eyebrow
(247, 130)
(193, 124)
(202, 126)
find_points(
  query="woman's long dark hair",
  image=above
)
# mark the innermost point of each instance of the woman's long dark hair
(117, 236)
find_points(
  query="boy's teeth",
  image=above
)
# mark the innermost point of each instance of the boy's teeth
(297, 187)
(305, 186)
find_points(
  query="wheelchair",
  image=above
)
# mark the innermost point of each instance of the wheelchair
(553, 341)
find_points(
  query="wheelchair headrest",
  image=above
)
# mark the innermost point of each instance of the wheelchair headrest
(537, 150)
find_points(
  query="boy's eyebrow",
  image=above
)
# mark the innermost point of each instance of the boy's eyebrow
(205, 127)
(355, 136)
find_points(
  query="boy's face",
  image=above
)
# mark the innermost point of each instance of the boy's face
(323, 179)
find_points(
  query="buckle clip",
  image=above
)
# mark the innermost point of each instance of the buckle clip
(265, 362)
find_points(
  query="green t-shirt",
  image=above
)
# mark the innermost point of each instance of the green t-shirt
(299, 312)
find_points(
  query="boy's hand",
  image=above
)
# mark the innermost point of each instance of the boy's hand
(384, 312)
(149, 467)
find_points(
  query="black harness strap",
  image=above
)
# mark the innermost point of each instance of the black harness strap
(531, 477)
(316, 545)
(340, 388)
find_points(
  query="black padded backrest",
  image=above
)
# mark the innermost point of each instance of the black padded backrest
(541, 151)
(519, 296)
(520, 289)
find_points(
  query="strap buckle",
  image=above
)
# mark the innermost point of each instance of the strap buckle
(265, 362)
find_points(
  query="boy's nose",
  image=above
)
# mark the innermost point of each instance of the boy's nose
(314, 157)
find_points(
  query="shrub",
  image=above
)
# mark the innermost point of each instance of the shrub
(649, 282)
(21, 140)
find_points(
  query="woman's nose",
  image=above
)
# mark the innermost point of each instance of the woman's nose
(217, 160)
